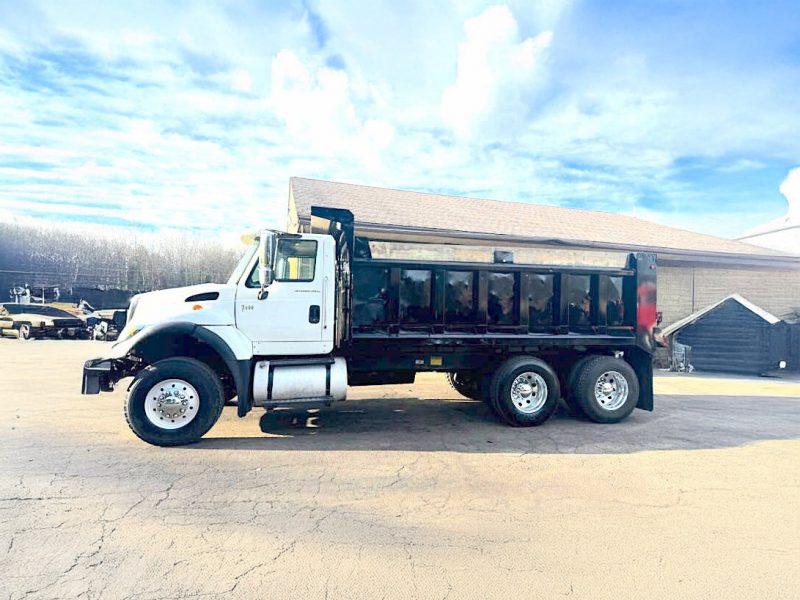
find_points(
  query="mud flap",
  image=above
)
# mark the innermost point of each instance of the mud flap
(642, 363)
(243, 375)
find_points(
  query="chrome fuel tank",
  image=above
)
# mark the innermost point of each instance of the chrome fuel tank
(276, 381)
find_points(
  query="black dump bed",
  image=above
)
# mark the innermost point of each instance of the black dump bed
(408, 315)
(445, 301)
(392, 298)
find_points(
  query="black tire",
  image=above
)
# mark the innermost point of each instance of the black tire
(466, 383)
(24, 332)
(569, 394)
(200, 376)
(586, 380)
(500, 390)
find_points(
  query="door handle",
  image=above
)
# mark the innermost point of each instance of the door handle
(313, 313)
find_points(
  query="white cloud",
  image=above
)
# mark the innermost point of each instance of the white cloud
(496, 75)
(790, 188)
(241, 80)
(743, 164)
(314, 105)
(191, 117)
(318, 106)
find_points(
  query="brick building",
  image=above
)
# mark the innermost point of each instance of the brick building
(694, 269)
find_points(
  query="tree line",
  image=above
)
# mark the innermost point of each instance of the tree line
(119, 259)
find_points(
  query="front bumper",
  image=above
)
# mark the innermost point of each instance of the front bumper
(98, 376)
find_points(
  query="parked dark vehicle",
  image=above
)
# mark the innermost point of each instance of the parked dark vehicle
(103, 324)
(40, 320)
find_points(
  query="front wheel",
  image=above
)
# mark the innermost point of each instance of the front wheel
(24, 332)
(174, 402)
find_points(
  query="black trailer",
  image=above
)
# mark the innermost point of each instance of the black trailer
(581, 332)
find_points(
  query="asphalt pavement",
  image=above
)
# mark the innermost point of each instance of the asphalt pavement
(398, 492)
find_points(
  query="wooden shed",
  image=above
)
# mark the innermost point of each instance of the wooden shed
(732, 335)
(785, 343)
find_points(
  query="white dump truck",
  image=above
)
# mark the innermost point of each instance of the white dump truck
(304, 316)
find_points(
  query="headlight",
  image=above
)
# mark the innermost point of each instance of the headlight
(132, 308)
(130, 332)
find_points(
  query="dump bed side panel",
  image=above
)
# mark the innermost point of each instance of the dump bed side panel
(395, 298)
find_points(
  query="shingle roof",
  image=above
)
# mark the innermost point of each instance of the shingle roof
(423, 211)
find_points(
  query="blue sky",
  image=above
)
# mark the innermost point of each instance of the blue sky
(193, 115)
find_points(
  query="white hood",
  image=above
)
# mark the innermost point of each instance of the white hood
(181, 304)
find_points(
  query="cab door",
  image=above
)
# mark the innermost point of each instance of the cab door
(293, 317)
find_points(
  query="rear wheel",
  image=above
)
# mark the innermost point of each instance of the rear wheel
(569, 393)
(174, 402)
(524, 391)
(466, 383)
(607, 389)
(24, 332)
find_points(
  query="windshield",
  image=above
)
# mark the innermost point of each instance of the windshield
(238, 271)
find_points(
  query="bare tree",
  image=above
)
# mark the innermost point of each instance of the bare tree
(46, 256)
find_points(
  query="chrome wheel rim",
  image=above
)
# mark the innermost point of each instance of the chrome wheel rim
(171, 404)
(611, 390)
(528, 392)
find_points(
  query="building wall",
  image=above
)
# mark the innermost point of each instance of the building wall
(784, 240)
(461, 253)
(292, 219)
(683, 290)
(675, 293)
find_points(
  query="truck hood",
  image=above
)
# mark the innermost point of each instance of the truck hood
(204, 304)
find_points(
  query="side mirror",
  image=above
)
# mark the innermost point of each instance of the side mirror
(265, 273)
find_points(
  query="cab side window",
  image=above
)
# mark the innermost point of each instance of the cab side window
(295, 260)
